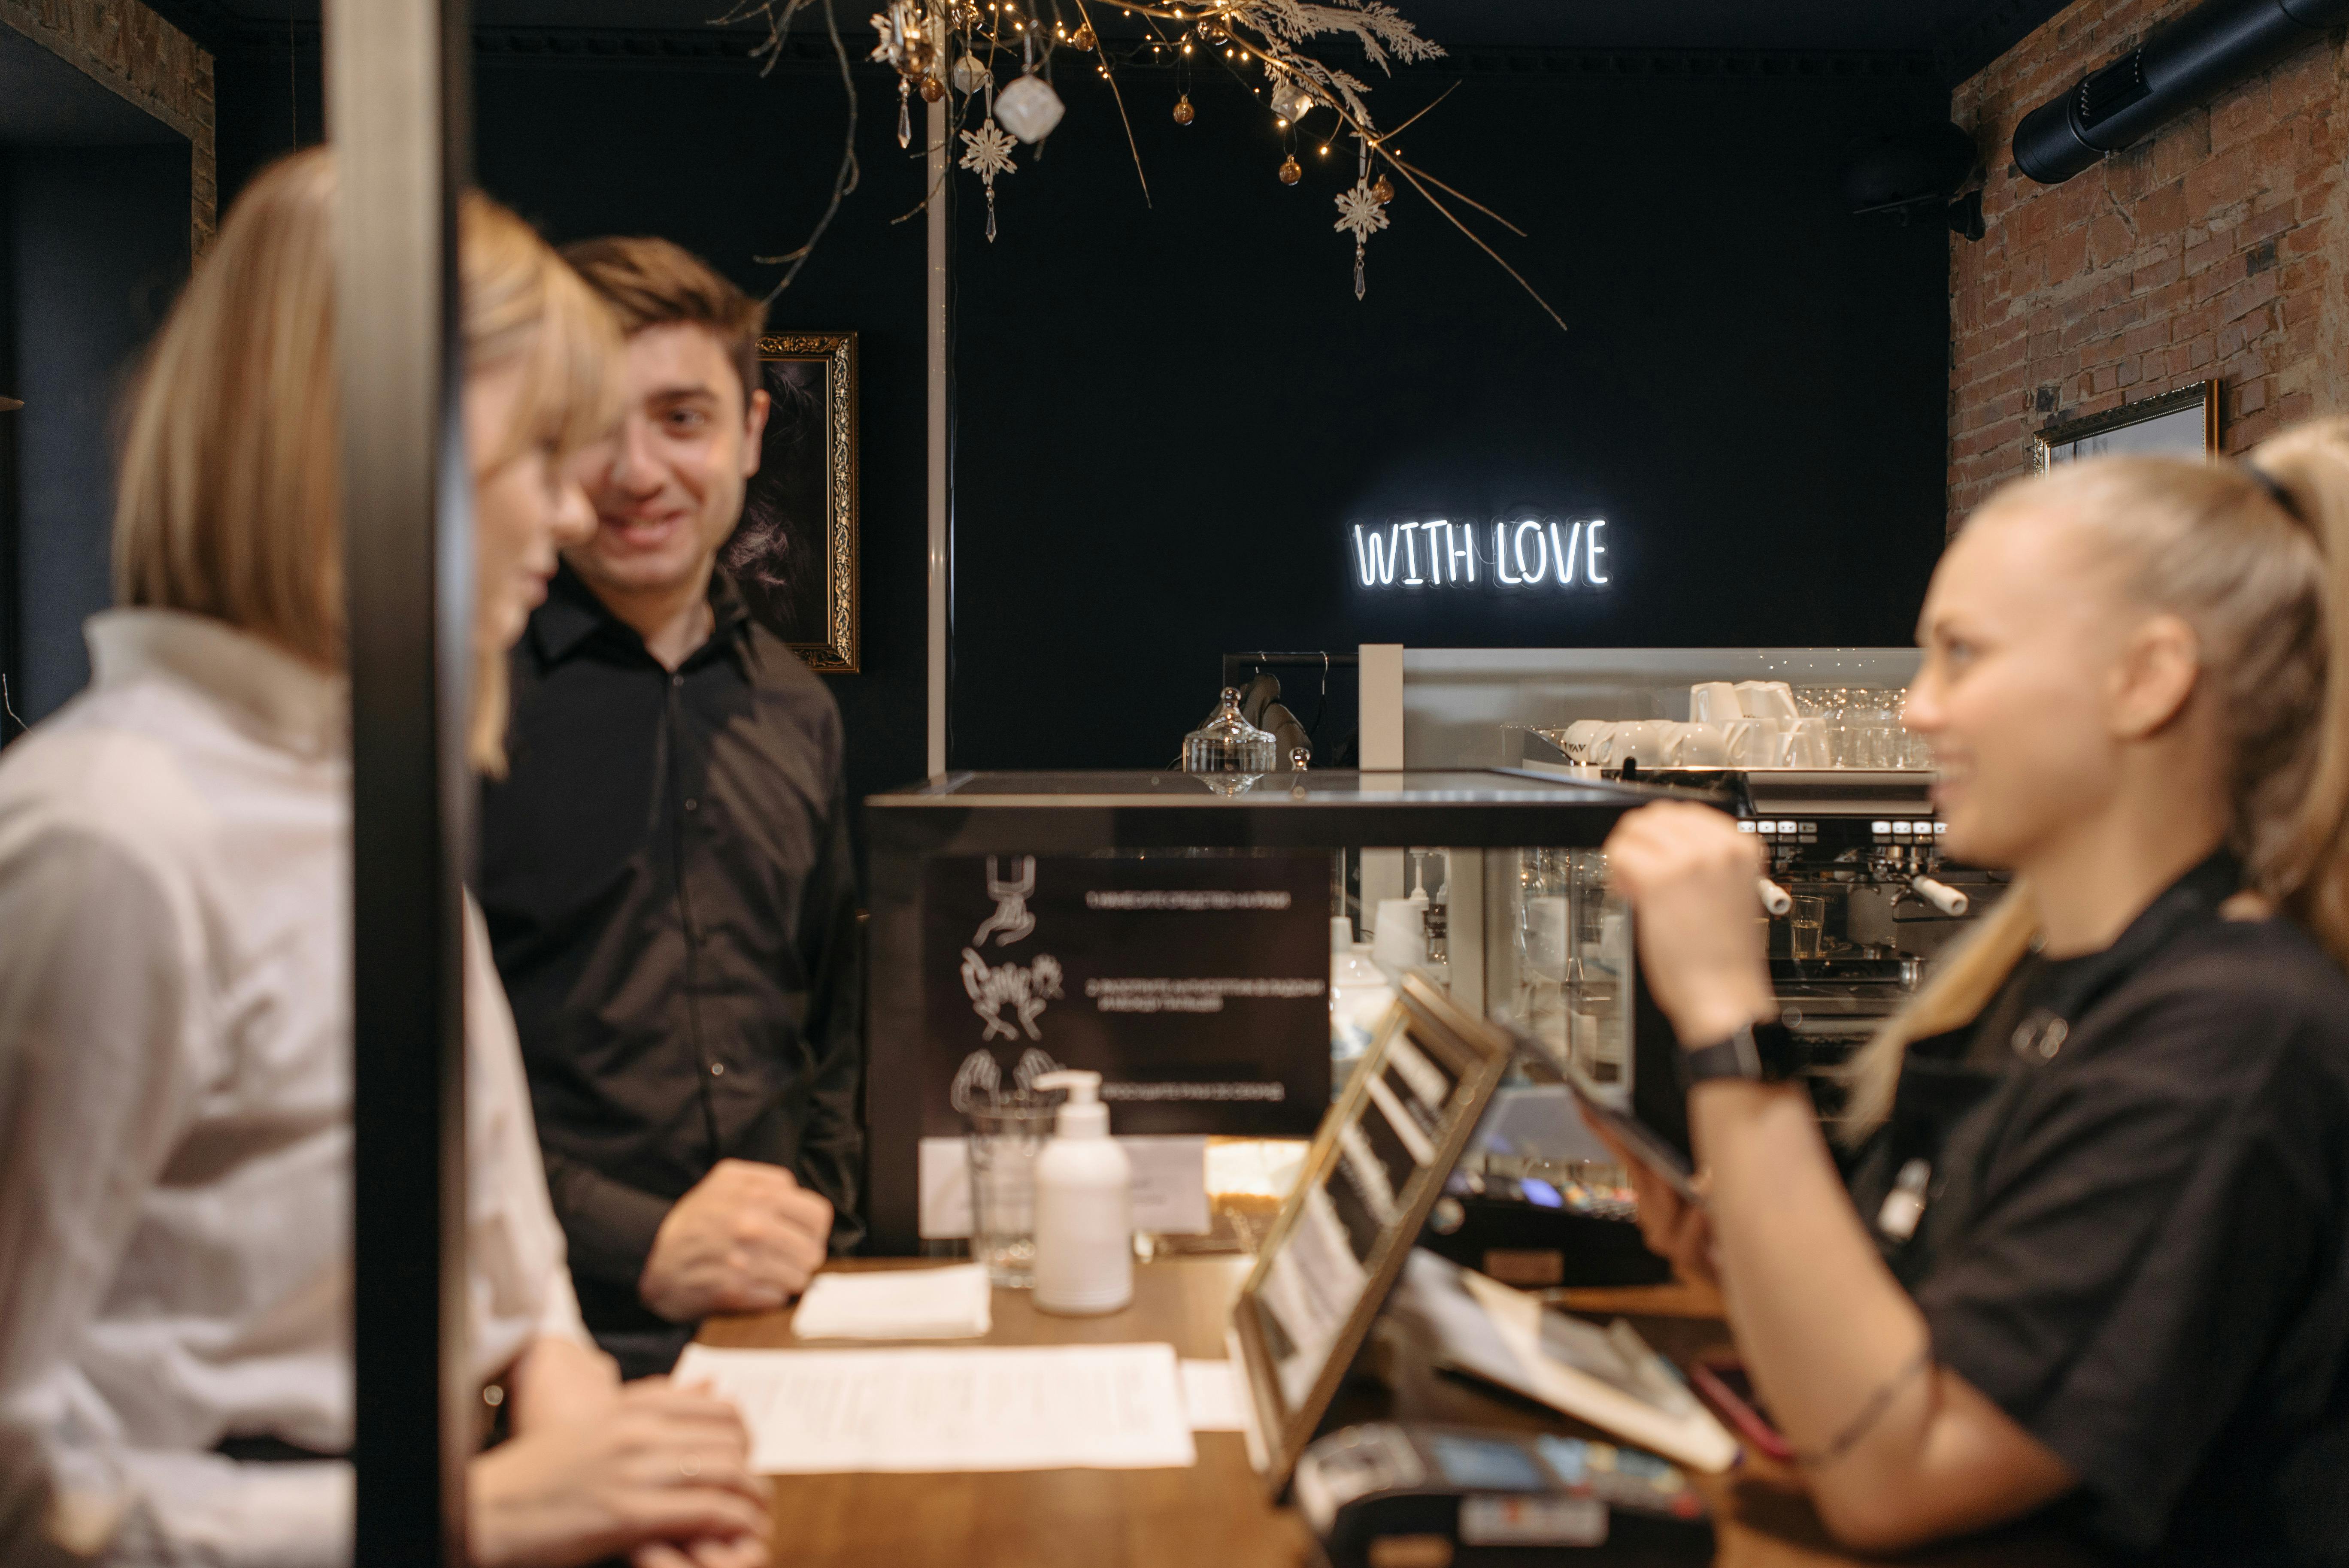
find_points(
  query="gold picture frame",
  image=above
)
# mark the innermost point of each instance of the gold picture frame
(1424, 1033)
(795, 554)
(2167, 425)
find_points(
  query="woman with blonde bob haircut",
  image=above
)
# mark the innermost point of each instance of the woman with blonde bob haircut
(2094, 1257)
(175, 1041)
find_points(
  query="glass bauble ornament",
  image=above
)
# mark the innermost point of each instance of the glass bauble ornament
(1029, 109)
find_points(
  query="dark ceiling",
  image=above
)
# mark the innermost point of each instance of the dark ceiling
(1958, 35)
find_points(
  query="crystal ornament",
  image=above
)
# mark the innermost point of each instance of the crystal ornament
(1361, 214)
(986, 152)
(1030, 108)
(905, 112)
(969, 76)
(1290, 101)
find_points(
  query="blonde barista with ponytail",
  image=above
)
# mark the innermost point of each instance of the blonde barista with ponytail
(2127, 1299)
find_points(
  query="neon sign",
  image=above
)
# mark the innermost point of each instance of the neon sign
(1529, 552)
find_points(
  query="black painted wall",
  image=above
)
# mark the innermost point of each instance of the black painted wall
(1168, 417)
(98, 248)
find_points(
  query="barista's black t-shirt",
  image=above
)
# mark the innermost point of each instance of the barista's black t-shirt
(2138, 1247)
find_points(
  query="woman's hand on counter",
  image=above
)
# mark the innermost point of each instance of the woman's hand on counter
(658, 1467)
(1688, 874)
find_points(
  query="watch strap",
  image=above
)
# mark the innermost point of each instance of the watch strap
(1760, 1053)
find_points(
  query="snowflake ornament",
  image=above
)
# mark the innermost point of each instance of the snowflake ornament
(986, 152)
(1361, 214)
(891, 25)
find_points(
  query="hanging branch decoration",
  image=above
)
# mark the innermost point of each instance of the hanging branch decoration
(950, 48)
(779, 14)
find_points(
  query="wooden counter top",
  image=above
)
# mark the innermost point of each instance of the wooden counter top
(1215, 1514)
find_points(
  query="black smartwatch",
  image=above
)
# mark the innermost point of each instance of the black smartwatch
(1762, 1053)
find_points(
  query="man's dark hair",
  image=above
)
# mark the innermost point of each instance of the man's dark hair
(650, 282)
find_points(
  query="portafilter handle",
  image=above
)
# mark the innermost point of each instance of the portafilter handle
(1941, 895)
(1774, 899)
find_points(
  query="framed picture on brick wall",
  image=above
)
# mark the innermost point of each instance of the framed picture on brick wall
(2180, 424)
(794, 555)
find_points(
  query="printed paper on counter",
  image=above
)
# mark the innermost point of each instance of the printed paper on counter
(985, 1407)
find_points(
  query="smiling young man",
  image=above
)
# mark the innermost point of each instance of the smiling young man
(666, 867)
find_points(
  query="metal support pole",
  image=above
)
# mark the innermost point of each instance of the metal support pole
(939, 172)
(398, 108)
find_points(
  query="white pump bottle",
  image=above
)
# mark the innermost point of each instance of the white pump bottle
(1084, 1206)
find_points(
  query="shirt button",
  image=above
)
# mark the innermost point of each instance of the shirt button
(718, 1069)
(693, 805)
(677, 680)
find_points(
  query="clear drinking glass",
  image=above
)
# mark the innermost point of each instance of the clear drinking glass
(1807, 936)
(1004, 1139)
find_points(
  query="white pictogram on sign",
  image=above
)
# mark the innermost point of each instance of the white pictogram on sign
(1010, 921)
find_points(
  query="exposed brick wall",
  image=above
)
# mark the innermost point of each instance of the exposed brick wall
(2206, 250)
(137, 54)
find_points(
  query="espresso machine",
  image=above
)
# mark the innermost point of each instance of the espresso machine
(1869, 901)
(1859, 901)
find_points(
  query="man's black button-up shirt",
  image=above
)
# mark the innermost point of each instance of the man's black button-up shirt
(666, 875)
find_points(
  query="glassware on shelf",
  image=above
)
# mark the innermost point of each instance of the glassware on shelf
(1228, 751)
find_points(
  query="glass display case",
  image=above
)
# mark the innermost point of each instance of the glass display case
(1198, 947)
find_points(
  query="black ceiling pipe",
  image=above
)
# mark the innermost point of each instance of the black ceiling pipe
(2187, 62)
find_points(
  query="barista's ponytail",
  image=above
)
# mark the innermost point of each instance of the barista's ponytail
(2294, 815)
(2254, 554)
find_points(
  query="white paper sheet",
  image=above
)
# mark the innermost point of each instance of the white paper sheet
(986, 1408)
(1213, 1395)
(951, 1303)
